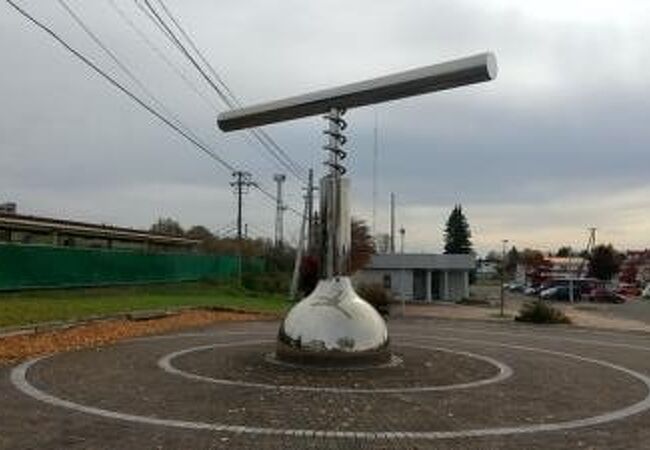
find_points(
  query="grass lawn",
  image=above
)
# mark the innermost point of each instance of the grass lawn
(22, 308)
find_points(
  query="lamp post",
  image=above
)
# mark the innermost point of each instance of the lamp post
(503, 274)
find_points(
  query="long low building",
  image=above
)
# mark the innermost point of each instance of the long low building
(18, 228)
(420, 277)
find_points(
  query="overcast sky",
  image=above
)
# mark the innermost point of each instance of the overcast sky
(558, 143)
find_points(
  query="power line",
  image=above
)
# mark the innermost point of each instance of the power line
(274, 199)
(129, 73)
(224, 92)
(226, 88)
(198, 52)
(88, 62)
(161, 55)
(119, 86)
(170, 34)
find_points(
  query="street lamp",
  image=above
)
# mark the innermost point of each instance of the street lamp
(503, 273)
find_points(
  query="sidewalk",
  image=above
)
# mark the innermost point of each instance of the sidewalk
(583, 315)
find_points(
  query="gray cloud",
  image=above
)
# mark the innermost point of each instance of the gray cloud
(539, 153)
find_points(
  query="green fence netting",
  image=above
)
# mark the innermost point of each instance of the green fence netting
(35, 266)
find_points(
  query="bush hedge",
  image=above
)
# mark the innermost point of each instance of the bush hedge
(377, 296)
(541, 312)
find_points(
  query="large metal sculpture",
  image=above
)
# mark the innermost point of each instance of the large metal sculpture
(333, 325)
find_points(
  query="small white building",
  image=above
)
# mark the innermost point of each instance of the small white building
(420, 277)
(487, 269)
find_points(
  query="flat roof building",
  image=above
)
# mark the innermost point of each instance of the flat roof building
(18, 228)
(420, 277)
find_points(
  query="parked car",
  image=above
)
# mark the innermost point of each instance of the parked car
(549, 293)
(516, 287)
(531, 291)
(646, 292)
(602, 295)
(560, 293)
(628, 290)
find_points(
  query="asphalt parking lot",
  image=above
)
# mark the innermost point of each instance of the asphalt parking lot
(460, 385)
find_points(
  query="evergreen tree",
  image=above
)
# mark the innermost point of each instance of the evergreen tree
(457, 233)
(512, 260)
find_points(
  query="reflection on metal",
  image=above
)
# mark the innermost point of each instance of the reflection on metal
(437, 77)
(335, 205)
(333, 326)
(335, 226)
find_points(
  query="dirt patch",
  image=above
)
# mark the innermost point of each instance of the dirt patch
(16, 348)
(597, 319)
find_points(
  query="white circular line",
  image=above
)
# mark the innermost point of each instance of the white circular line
(505, 372)
(524, 333)
(19, 379)
(537, 336)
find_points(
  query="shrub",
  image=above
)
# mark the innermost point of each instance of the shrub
(541, 312)
(377, 296)
(269, 282)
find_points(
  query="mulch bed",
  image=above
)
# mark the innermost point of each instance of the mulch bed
(19, 347)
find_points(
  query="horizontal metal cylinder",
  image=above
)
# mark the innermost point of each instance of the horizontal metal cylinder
(437, 77)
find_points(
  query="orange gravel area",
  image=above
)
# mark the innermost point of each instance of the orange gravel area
(18, 347)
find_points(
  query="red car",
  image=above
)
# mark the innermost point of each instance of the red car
(628, 290)
(602, 295)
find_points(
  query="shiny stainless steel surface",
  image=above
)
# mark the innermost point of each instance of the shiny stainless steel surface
(333, 324)
(336, 226)
(437, 77)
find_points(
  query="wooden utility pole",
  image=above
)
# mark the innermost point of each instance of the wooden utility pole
(242, 185)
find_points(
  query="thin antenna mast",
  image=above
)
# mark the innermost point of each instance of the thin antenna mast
(375, 155)
(392, 222)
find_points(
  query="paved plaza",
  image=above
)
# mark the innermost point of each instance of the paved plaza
(452, 385)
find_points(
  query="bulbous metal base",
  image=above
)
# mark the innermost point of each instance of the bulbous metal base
(333, 326)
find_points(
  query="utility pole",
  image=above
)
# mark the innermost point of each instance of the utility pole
(279, 210)
(592, 240)
(310, 208)
(591, 243)
(503, 274)
(402, 232)
(392, 222)
(293, 290)
(242, 185)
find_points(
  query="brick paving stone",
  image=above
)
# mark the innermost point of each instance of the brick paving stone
(545, 387)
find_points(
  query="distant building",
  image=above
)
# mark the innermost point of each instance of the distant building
(567, 267)
(16, 228)
(420, 277)
(553, 268)
(8, 208)
(487, 269)
(635, 268)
